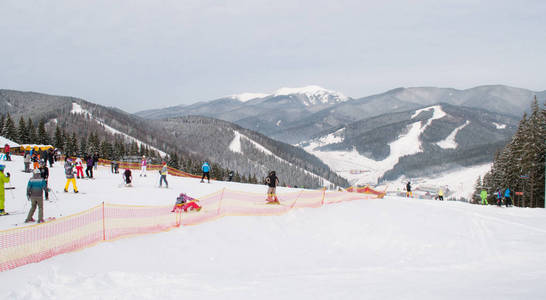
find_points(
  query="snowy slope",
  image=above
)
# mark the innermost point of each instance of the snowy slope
(346, 162)
(388, 248)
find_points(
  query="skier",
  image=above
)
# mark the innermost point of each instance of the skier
(272, 181)
(127, 177)
(51, 156)
(35, 159)
(3, 180)
(7, 152)
(483, 195)
(507, 198)
(69, 172)
(79, 167)
(440, 195)
(499, 198)
(206, 173)
(185, 202)
(35, 188)
(408, 190)
(89, 169)
(163, 173)
(27, 162)
(44, 173)
(143, 164)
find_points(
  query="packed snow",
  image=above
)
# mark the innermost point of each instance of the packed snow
(77, 109)
(391, 248)
(449, 142)
(4, 141)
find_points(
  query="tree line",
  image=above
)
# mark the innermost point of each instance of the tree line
(521, 164)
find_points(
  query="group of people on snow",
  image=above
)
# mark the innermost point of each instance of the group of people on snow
(499, 196)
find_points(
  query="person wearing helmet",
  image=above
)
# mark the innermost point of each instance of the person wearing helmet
(272, 181)
(35, 190)
(163, 172)
(143, 164)
(69, 172)
(185, 203)
(3, 180)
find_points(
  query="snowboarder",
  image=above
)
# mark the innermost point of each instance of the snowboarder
(27, 162)
(272, 181)
(7, 152)
(507, 198)
(69, 172)
(408, 190)
(185, 202)
(44, 173)
(143, 164)
(499, 198)
(483, 195)
(89, 169)
(440, 195)
(3, 180)
(163, 173)
(35, 190)
(79, 168)
(206, 168)
(127, 177)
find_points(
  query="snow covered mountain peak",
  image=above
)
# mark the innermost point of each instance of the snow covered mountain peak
(314, 94)
(244, 97)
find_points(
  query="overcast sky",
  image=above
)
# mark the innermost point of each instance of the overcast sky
(138, 55)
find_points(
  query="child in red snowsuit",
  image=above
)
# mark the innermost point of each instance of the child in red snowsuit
(185, 202)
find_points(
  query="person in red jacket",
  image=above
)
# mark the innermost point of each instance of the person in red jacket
(7, 152)
(185, 203)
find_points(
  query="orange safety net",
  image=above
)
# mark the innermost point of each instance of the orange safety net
(107, 222)
(366, 190)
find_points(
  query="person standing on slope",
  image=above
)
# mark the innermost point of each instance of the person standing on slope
(483, 195)
(143, 164)
(163, 172)
(507, 198)
(206, 168)
(27, 162)
(3, 180)
(35, 191)
(272, 181)
(7, 152)
(44, 173)
(69, 172)
(79, 168)
(408, 189)
(441, 194)
(89, 170)
(499, 198)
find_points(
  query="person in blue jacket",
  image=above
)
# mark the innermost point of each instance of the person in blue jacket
(206, 171)
(35, 192)
(507, 198)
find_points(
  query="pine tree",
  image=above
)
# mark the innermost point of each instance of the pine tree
(83, 146)
(32, 135)
(10, 130)
(58, 140)
(2, 122)
(22, 132)
(43, 136)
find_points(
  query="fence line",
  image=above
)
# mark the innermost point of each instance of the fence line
(108, 222)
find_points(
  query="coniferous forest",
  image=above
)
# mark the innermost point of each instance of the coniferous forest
(520, 165)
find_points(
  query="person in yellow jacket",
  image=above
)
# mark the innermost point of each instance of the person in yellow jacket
(69, 172)
(3, 180)
(483, 195)
(441, 195)
(163, 172)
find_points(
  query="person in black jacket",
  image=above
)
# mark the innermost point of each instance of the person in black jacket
(272, 181)
(408, 189)
(44, 173)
